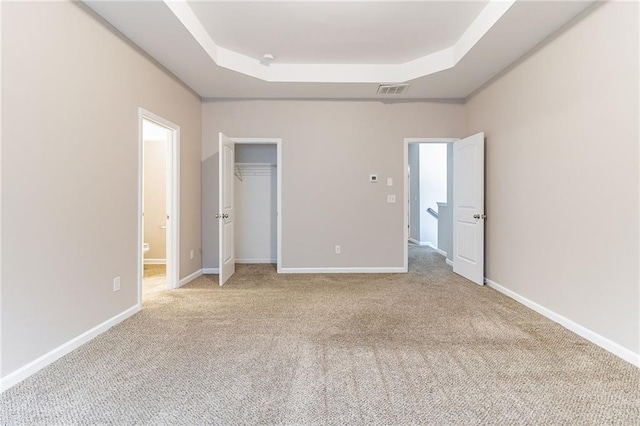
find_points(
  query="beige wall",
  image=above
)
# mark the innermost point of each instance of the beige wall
(329, 148)
(155, 198)
(71, 90)
(562, 174)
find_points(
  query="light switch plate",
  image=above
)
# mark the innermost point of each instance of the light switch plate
(389, 181)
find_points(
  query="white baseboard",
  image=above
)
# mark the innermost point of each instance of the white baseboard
(390, 270)
(449, 262)
(155, 261)
(38, 364)
(256, 261)
(189, 278)
(436, 249)
(428, 244)
(416, 242)
(210, 270)
(580, 330)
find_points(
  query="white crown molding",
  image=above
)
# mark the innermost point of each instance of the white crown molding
(341, 73)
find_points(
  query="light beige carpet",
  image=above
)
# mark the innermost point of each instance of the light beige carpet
(427, 347)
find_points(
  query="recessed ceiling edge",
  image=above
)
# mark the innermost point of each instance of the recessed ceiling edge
(341, 73)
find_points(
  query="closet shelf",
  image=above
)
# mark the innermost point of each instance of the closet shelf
(253, 169)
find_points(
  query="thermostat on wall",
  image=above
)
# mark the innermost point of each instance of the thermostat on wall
(373, 178)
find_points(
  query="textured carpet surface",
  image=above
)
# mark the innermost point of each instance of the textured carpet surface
(427, 347)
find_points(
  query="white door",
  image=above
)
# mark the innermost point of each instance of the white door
(468, 208)
(227, 259)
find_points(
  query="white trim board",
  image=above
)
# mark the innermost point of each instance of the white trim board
(210, 270)
(189, 278)
(570, 325)
(250, 261)
(155, 261)
(448, 262)
(375, 270)
(436, 249)
(38, 364)
(428, 244)
(416, 242)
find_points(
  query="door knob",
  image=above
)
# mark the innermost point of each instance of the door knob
(217, 216)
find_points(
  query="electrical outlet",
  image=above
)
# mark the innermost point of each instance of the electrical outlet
(191, 254)
(116, 284)
(338, 250)
(391, 199)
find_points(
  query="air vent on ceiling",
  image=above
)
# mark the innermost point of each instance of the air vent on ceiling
(392, 89)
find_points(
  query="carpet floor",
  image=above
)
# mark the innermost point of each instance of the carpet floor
(426, 347)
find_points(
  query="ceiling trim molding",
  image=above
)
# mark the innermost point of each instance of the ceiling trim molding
(341, 73)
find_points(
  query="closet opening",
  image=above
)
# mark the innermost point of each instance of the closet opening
(256, 203)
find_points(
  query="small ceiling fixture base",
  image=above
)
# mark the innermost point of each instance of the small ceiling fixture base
(267, 58)
(393, 89)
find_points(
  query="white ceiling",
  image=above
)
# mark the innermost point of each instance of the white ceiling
(336, 49)
(337, 32)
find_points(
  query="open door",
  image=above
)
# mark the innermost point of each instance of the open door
(468, 208)
(225, 201)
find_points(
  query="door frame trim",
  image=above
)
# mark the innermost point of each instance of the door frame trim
(173, 183)
(278, 143)
(405, 203)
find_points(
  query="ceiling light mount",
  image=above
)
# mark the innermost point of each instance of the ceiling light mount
(267, 58)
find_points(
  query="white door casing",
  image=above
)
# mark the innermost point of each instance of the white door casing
(468, 208)
(227, 261)
(173, 199)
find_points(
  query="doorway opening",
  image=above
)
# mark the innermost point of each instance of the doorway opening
(158, 233)
(428, 195)
(250, 185)
(461, 221)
